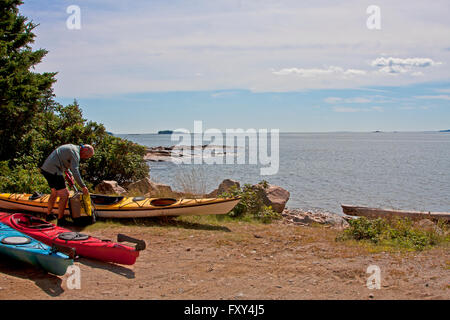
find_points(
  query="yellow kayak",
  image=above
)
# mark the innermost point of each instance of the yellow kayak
(126, 207)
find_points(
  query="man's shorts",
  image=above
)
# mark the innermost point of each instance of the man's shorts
(55, 181)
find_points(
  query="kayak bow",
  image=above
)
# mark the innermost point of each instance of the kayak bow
(26, 249)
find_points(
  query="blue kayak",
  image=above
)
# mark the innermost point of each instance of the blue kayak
(21, 247)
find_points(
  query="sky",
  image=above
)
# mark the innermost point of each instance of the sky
(297, 66)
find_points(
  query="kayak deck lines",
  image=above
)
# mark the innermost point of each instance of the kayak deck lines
(128, 207)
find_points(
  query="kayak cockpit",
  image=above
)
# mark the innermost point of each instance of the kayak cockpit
(110, 200)
(163, 202)
(105, 200)
(30, 222)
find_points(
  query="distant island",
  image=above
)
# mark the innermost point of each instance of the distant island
(444, 131)
(168, 132)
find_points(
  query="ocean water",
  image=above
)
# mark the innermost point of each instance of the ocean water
(324, 170)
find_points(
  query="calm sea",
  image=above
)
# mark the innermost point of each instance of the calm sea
(323, 170)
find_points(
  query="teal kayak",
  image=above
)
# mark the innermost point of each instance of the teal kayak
(24, 248)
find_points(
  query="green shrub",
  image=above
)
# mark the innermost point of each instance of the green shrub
(401, 233)
(365, 229)
(114, 159)
(251, 204)
(26, 179)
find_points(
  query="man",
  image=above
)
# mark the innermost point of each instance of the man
(60, 160)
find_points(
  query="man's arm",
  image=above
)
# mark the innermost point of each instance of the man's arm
(77, 176)
(74, 167)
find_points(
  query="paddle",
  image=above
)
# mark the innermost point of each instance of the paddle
(70, 181)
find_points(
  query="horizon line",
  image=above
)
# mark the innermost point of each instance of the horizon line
(289, 132)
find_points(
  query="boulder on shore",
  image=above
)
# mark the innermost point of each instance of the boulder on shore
(273, 196)
(225, 186)
(161, 190)
(429, 226)
(109, 187)
(149, 188)
(306, 218)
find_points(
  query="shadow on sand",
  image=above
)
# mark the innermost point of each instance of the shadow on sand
(166, 222)
(111, 267)
(50, 284)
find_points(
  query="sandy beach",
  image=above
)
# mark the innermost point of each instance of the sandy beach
(201, 260)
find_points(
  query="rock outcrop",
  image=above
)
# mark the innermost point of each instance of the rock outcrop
(305, 218)
(273, 196)
(225, 186)
(430, 226)
(109, 187)
(158, 154)
(162, 153)
(162, 190)
(149, 188)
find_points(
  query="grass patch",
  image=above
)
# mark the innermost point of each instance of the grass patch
(207, 222)
(221, 223)
(394, 234)
(192, 182)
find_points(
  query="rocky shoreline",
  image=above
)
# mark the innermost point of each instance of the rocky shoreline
(301, 217)
(162, 153)
(271, 195)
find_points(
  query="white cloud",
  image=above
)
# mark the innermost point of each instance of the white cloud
(316, 72)
(413, 62)
(399, 65)
(355, 72)
(386, 66)
(223, 94)
(220, 45)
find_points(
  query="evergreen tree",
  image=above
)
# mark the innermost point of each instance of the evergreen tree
(33, 124)
(23, 93)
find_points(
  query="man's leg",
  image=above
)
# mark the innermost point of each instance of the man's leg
(51, 202)
(63, 197)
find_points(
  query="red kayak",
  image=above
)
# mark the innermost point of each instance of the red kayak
(84, 245)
